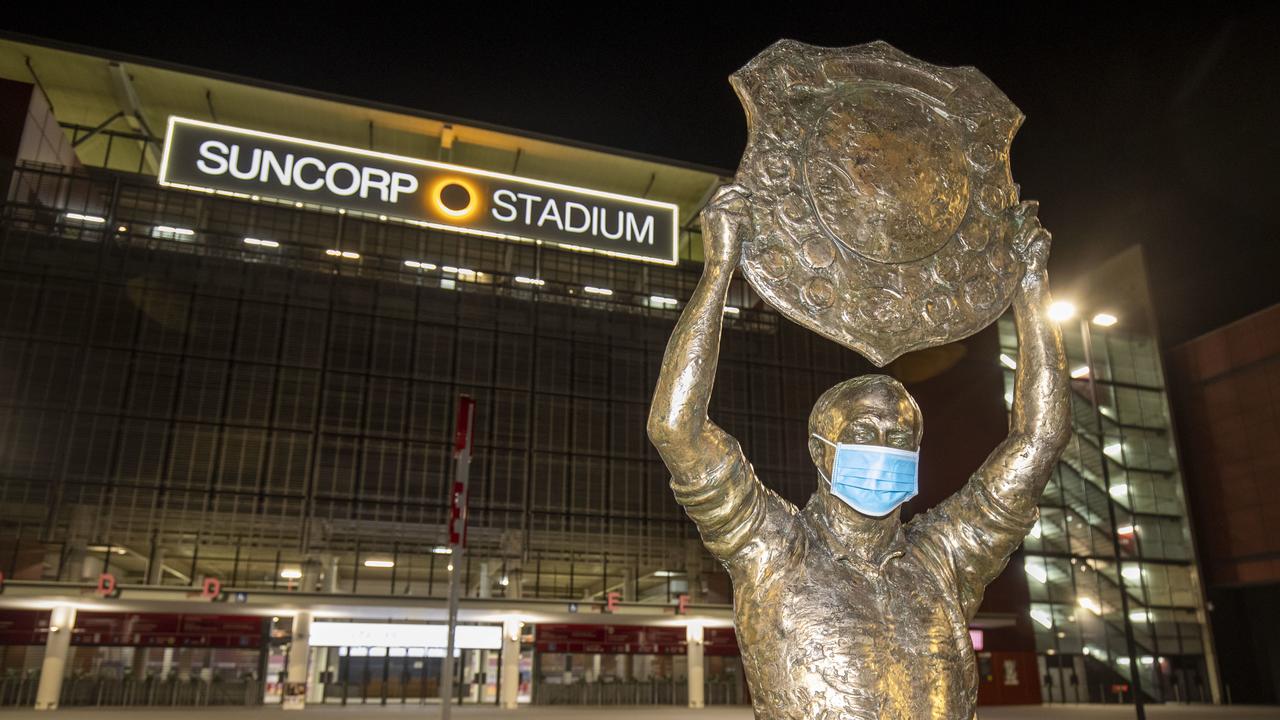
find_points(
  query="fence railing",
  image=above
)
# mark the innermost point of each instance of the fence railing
(19, 690)
(653, 692)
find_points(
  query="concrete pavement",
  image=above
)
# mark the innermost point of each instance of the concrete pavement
(358, 712)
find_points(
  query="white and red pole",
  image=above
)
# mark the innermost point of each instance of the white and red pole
(462, 439)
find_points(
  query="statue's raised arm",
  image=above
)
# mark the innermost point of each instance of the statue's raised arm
(979, 526)
(1040, 424)
(709, 474)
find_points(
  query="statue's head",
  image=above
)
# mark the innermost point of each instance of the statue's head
(866, 410)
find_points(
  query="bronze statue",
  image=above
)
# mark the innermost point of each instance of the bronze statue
(840, 612)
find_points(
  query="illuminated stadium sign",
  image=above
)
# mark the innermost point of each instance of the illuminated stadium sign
(206, 156)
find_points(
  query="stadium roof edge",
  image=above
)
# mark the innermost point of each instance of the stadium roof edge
(115, 56)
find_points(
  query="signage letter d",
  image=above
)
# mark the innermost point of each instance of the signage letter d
(211, 588)
(107, 587)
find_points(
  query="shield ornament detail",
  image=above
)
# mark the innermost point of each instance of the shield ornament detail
(880, 193)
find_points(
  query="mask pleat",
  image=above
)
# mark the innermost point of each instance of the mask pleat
(871, 479)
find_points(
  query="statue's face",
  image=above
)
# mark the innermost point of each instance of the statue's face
(878, 414)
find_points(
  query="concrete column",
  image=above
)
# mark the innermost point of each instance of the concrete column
(155, 571)
(312, 569)
(56, 649)
(331, 575)
(473, 669)
(206, 670)
(166, 662)
(485, 589)
(139, 663)
(184, 662)
(315, 688)
(510, 674)
(80, 566)
(295, 697)
(511, 549)
(595, 668)
(693, 566)
(695, 670)
(515, 580)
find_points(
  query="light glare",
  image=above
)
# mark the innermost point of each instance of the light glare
(85, 218)
(1091, 605)
(1037, 572)
(1062, 310)
(171, 232)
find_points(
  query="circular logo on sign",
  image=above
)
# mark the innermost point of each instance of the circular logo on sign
(453, 199)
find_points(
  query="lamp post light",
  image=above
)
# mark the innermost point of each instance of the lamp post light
(1089, 372)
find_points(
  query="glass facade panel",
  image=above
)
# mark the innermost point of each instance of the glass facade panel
(275, 412)
(1113, 533)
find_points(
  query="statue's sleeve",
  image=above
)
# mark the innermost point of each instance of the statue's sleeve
(740, 520)
(971, 534)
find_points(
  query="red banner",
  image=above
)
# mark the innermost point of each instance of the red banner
(23, 627)
(462, 438)
(721, 641)
(31, 627)
(462, 433)
(165, 630)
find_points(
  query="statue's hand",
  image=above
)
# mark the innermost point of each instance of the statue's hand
(724, 222)
(1030, 242)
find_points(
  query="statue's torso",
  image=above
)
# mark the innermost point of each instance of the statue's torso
(826, 637)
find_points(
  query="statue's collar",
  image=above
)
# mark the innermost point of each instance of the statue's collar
(844, 543)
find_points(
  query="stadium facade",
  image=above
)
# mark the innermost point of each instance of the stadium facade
(236, 321)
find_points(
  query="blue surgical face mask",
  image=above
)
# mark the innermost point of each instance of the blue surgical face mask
(872, 479)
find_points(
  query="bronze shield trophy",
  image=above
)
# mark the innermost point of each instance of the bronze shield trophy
(880, 192)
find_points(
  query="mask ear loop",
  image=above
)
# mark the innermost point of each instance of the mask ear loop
(833, 445)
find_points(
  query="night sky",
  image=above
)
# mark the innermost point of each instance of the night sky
(1157, 127)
